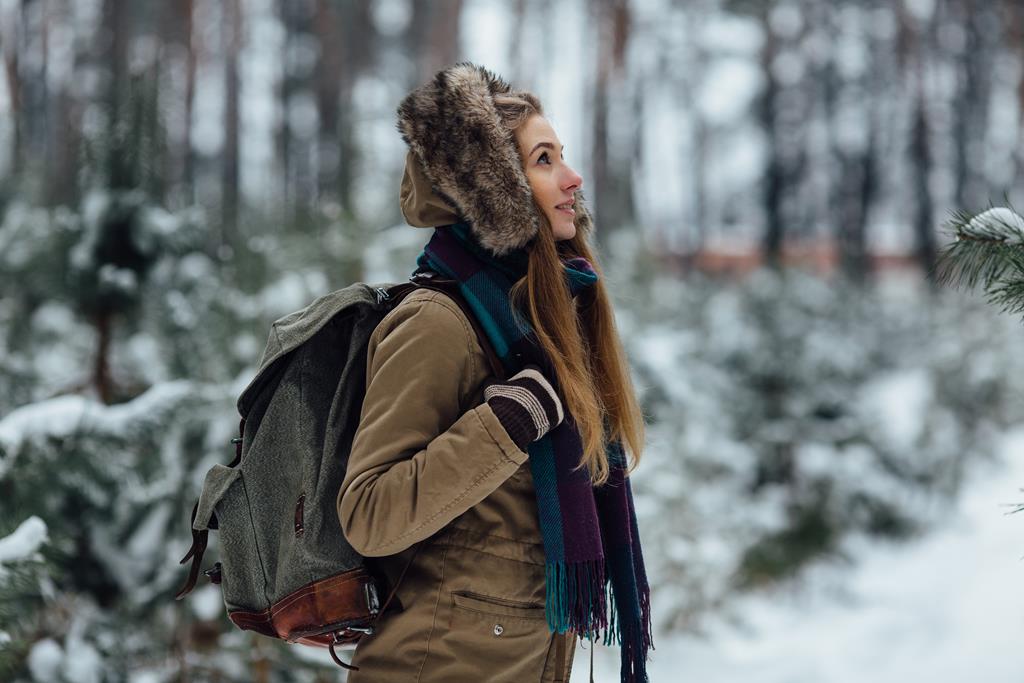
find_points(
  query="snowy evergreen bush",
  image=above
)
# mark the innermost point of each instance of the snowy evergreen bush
(791, 415)
(113, 477)
(24, 581)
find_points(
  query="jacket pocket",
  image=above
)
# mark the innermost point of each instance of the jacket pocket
(494, 639)
(498, 607)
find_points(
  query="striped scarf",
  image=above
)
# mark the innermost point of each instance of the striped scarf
(593, 562)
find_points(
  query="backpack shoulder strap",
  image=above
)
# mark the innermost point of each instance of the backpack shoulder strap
(451, 288)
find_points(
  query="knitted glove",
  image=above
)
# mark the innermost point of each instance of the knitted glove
(526, 405)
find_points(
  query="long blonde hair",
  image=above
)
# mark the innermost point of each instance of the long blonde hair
(578, 336)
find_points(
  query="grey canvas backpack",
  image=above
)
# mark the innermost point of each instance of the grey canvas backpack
(285, 569)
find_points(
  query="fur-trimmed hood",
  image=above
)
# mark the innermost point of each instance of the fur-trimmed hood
(463, 165)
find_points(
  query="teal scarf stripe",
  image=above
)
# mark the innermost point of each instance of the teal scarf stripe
(491, 301)
(545, 483)
(482, 305)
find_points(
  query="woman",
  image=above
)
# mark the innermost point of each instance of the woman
(509, 497)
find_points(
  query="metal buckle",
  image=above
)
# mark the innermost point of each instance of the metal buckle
(382, 294)
(372, 599)
(368, 630)
(214, 573)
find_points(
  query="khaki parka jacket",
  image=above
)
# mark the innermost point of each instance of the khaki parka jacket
(430, 464)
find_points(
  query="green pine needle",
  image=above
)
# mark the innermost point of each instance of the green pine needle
(1008, 296)
(986, 248)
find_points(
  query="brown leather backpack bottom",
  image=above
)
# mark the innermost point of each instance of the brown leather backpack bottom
(335, 611)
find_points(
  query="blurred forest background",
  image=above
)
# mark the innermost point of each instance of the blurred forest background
(769, 180)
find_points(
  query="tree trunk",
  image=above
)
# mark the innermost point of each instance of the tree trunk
(432, 37)
(599, 158)
(101, 365)
(443, 36)
(10, 48)
(178, 167)
(120, 174)
(1014, 23)
(298, 144)
(282, 137)
(63, 136)
(974, 70)
(774, 232)
(920, 147)
(232, 32)
(515, 51)
(921, 162)
(331, 69)
(852, 185)
(612, 151)
(33, 140)
(360, 40)
(189, 171)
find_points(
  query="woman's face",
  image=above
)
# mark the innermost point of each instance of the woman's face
(552, 180)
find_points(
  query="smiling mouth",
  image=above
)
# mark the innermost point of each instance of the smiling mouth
(566, 208)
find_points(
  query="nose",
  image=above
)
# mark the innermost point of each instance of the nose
(572, 179)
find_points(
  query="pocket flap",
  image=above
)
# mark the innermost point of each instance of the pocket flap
(218, 480)
(494, 606)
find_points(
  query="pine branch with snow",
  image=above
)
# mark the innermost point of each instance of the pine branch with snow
(987, 249)
(24, 579)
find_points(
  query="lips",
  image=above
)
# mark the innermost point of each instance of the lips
(566, 208)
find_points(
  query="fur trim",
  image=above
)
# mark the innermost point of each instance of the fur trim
(455, 133)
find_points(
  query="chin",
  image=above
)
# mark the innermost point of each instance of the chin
(566, 233)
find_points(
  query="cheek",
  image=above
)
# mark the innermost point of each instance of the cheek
(549, 189)
(544, 188)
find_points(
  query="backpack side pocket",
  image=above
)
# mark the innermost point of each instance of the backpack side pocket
(224, 505)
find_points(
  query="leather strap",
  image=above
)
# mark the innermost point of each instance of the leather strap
(199, 540)
(560, 657)
(337, 659)
(593, 644)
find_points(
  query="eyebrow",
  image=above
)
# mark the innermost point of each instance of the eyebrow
(543, 144)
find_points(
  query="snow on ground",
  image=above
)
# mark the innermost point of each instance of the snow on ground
(947, 608)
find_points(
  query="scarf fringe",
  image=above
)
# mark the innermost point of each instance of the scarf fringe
(632, 635)
(634, 640)
(577, 596)
(594, 609)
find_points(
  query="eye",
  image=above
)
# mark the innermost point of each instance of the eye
(545, 155)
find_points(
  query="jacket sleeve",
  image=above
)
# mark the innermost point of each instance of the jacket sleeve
(417, 461)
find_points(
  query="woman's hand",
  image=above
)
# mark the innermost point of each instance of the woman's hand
(526, 405)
